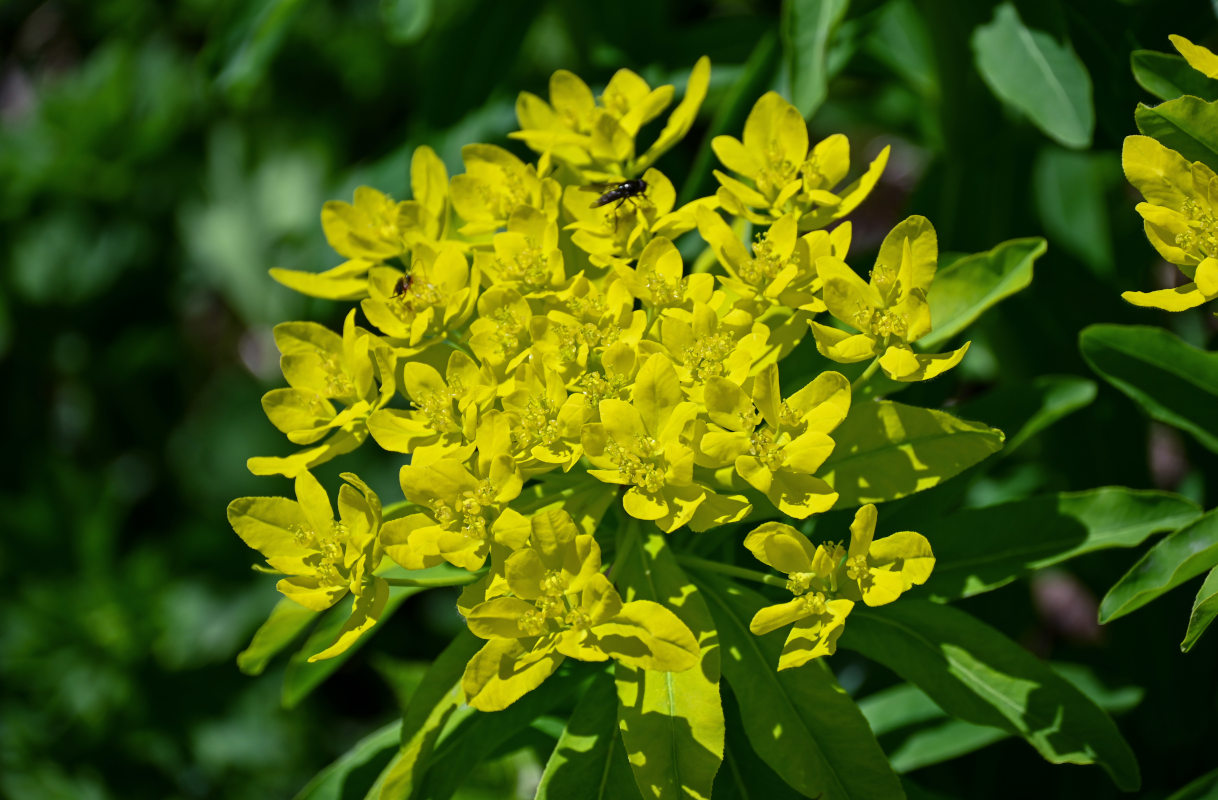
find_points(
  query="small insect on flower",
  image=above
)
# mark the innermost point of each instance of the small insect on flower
(621, 192)
(403, 285)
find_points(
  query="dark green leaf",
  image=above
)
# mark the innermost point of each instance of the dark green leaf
(1176, 558)
(1188, 125)
(1167, 76)
(589, 760)
(1170, 379)
(330, 783)
(671, 722)
(1071, 190)
(807, 26)
(301, 677)
(887, 450)
(1204, 788)
(287, 620)
(799, 721)
(962, 291)
(976, 674)
(980, 549)
(406, 21)
(900, 40)
(431, 705)
(252, 46)
(1205, 608)
(1028, 407)
(1035, 74)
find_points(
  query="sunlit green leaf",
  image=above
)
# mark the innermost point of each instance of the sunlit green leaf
(1034, 73)
(807, 26)
(978, 675)
(1205, 608)
(1188, 125)
(286, 621)
(799, 721)
(1176, 558)
(887, 450)
(330, 783)
(1170, 379)
(962, 291)
(980, 549)
(671, 722)
(589, 762)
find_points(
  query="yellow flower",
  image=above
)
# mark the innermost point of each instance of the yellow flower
(782, 175)
(323, 368)
(375, 229)
(563, 607)
(617, 232)
(597, 140)
(643, 444)
(891, 311)
(707, 346)
(548, 421)
(415, 308)
(445, 413)
(501, 334)
(828, 579)
(659, 279)
(778, 450)
(585, 319)
(525, 256)
(495, 185)
(1181, 220)
(322, 559)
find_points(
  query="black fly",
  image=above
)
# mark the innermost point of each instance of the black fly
(403, 285)
(621, 192)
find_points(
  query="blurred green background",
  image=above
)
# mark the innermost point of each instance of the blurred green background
(157, 158)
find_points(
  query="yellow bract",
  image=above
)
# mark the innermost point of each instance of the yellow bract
(827, 580)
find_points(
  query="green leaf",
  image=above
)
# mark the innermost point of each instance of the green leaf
(1204, 788)
(932, 738)
(287, 620)
(330, 783)
(589, 762)
(477, 735)
(671, 722)
(431, 705)
(1167, 76)
(406, 21)
(976, 674)
(1071, 190)
(962, 291)
(1205, 608)
(1041, 531)
(252, 45)
(900, 39)
(800, 722)
(744, 776)
(1176, 558)
(805, 30)
(1030, 71)
(1170, 379)
(301, 677)
(1188, 125)
(887, 450)
(1028, 407)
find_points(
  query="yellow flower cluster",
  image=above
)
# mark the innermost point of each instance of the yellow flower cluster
(1180, 211)
(522, 324)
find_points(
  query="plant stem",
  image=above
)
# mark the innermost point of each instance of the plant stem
(734, 571)
(462, 579)
(867, 373)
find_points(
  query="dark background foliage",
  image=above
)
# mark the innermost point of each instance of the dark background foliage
(157, 158)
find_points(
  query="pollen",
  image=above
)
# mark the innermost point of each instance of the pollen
(706, 356)
(763, 446)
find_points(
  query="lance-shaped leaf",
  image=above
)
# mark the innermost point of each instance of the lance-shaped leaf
(1178, 557)
(976, 674)
(286, 621)
(1204, 788)
(887, 450)
(1026, 408)
(1170, 379)
(331, 782)
(671, 722)
(744, 776)
(963, 290)
(1167, 76)
(431, 705)
(1205, 608)
(1188, 125)
(303, 676)
(807, 26)
(589, 762)
(800, 722)
(1032, 72)
(980, 549)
